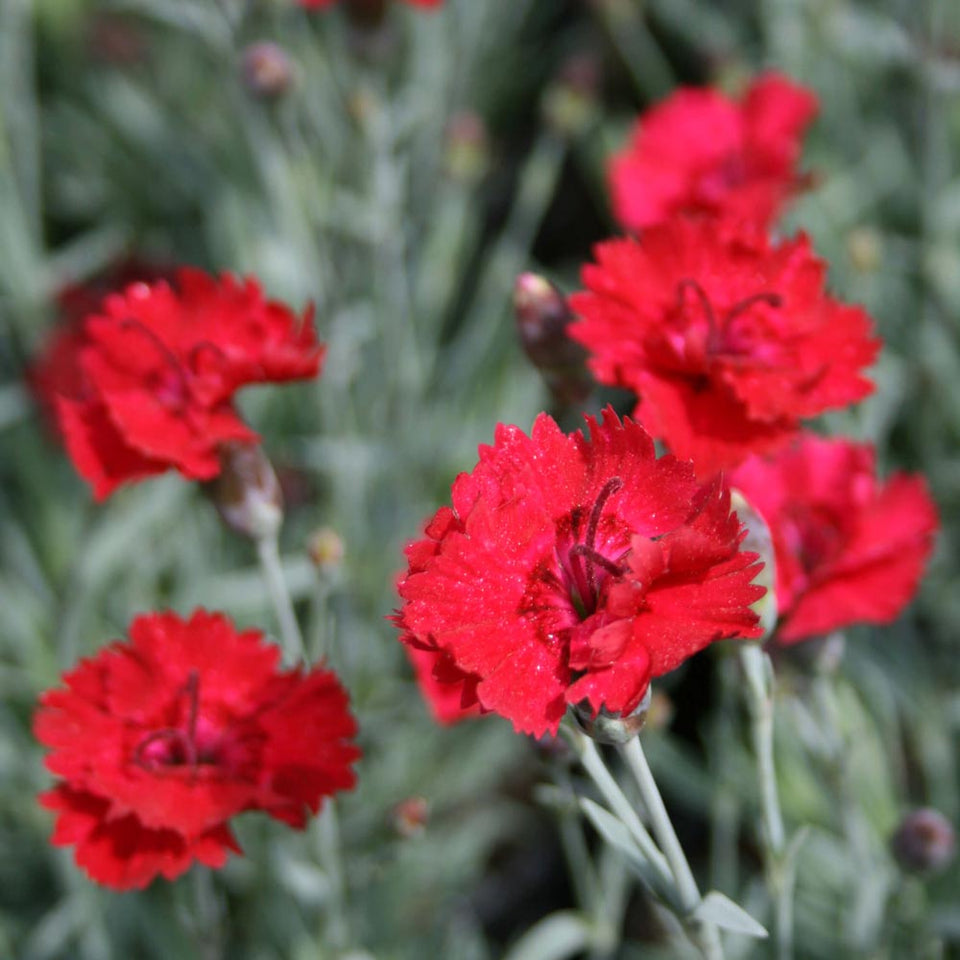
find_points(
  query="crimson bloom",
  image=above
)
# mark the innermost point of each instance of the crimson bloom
(728, 339)
(573, 569)
(155, 369)
(700, 153)
(158, 741)
(848, 548)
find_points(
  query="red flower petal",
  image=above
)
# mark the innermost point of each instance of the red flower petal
(848, 549)
(573, 567)
(159, 741)
(700, 153)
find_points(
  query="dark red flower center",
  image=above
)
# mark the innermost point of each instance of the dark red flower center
(590, 549)
(814, 534)
(175, 383)
(184, 745)
(720, 332)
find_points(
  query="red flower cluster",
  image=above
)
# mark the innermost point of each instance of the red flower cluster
(700, 153)
(572, 569)
(848, 550)
(159, 741)
(728, 339)
(147, 385)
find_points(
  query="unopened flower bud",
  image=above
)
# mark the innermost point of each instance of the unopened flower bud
(467, 156)
(366, 14)
(571, 100)
(924, 842)
(608, 727)
(266, 70)
(325, 549)
(409, 817)
(246, 493)
(864, 248)
(542, 319)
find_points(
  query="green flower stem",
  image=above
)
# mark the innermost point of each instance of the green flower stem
(610, 790)
(759, 674)
(636, 760)
(207, 926)
(336, 932)
(291, 639)
(780, 875)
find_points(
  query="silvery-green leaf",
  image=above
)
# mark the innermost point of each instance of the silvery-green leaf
(721, 911)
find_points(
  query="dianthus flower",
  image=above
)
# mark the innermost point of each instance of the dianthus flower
(573, 569)
(450, 696)
(848, 548)
(728, 339)
(161, 739)
(156, 368)
(702, 154)
(55, 371)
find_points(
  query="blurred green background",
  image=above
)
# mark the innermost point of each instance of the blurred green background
(401, 182)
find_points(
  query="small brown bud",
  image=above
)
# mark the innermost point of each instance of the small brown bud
(865, 249)
(266, 70)
(542, 319)
(570, 102)
(924, 842)
(247, 493)
(467, 156)
(325, 549)
(608, 727)
(409, 817)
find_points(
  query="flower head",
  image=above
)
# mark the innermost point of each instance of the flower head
(156, 370)
(848, 548)
(158, 741)
(700, 153)
(574, 569)
(728, 339)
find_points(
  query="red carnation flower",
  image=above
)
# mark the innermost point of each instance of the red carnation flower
(848, 549)
(155, 370)
(727, 339)
(450, 695)
(55, 371)
(572, 569)
(159, 741)
(700, 153)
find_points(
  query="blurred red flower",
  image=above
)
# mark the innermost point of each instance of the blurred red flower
(161, 739)
(572, 569)
(147, 384)
(56, 370)
(700, 153)
(848, 549)
(727, 339)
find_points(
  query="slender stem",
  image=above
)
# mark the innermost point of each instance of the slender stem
(759, 673)
(780, 875)
(269, 553)
(666, 836)
(621, 806)
(207, 931)
(336, 934)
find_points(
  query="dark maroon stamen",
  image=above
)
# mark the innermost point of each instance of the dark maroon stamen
(186, 740)
(716, 329)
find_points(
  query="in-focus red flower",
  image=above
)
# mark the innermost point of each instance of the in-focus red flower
(155, 369)
(572, 569)
(700, 153)
(158, 741)
(848, 548)
(728, 339)
(450, 695)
